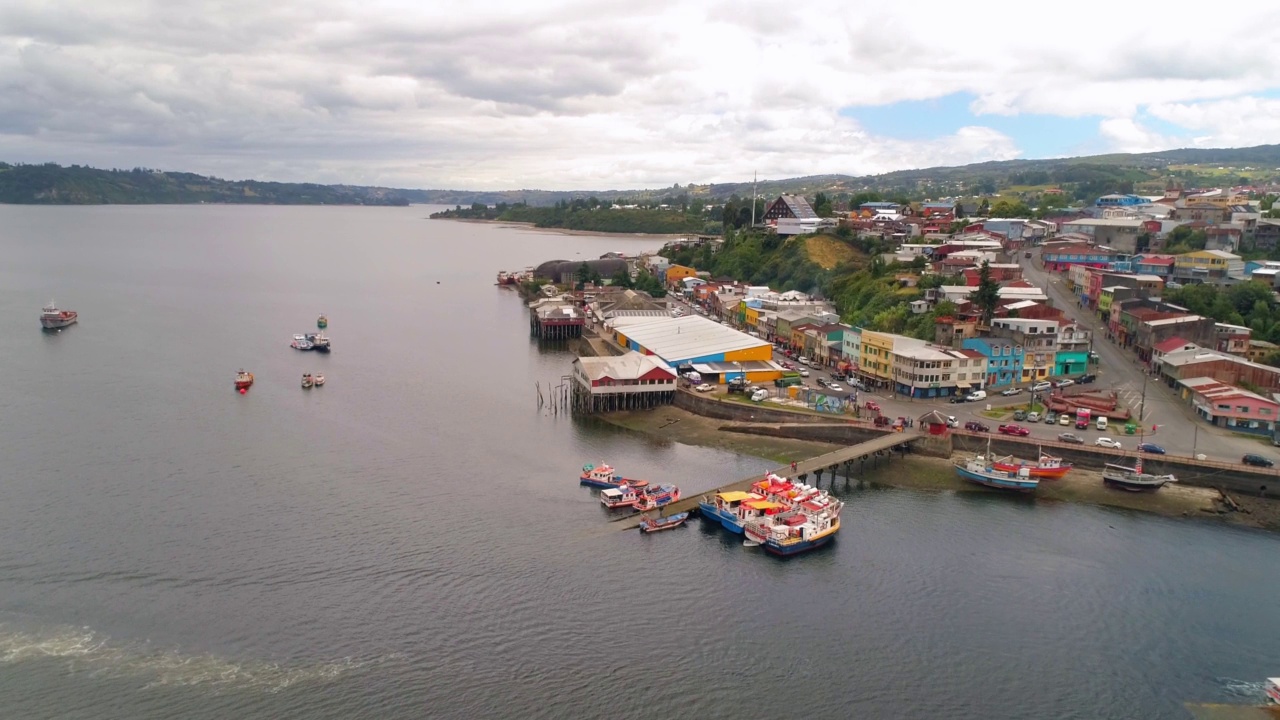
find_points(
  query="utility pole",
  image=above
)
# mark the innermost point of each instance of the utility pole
(1142, 405)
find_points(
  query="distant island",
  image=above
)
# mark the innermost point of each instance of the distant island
(593, 215)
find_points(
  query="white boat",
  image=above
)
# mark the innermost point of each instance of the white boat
(300, 342)
(307, 381)
(51, 318)
(317, 380)
(1134, 479)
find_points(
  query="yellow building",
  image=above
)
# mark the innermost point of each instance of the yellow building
(876, 355)
(751, 317)
(676, 273)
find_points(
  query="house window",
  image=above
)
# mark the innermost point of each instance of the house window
(1224, 407)
(1264, 411)
(1243, 409)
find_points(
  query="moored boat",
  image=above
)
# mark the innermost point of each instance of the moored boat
(795, 533)
(1048, 468)
(307, 381)
(604, 477)
(51, 318)
(1272, 689)
(317, 380)
(243, 379)
(1134, 479)
(979, 470)
(649, 525)
(300, 342)
(322, 322)
(724, 508)
(656, 496)
(319, 342)
(618, 497)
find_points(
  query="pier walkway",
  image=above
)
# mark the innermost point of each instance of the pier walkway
(817, 465)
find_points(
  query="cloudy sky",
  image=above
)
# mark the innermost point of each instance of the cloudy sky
(618, 93)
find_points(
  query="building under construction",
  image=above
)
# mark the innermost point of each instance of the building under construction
(627, 382)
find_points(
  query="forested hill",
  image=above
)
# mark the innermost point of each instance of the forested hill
(52, 184)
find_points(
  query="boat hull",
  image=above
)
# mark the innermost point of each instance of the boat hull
(1129, 486)
(1036, 472)
(601, 484)
(773, 547)
(660, 524)
(997, 482)
(57, 323)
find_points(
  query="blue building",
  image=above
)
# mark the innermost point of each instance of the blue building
(1004, 360)
(1120, 201)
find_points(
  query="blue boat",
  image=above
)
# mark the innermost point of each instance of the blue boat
(656, 497)
(796, 532)
(605, 478)
(981, 471)
(724, 508)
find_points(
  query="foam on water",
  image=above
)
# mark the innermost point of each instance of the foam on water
(85, 651)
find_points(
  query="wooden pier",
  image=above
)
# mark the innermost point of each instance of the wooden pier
(881, 447)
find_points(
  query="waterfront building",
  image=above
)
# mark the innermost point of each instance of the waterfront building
(1229, 406)
(1038, 341)
(719, 353)
(626, 382)
(923, 370)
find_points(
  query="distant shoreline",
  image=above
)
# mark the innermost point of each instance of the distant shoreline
(564, 231)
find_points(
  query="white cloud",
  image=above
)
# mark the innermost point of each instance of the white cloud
(595, 93)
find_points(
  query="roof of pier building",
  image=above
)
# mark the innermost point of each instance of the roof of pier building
(692, 338)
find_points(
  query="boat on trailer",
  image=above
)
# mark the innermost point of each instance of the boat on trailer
(651, 525)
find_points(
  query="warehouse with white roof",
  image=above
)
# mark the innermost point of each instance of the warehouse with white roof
(717, 352)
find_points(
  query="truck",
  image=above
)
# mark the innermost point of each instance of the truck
(1082, 418)
(788, 379)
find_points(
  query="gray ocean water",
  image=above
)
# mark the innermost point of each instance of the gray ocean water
(410, 541)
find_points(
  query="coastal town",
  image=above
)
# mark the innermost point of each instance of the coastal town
(1054, 331)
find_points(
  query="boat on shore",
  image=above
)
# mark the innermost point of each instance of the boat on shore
(307, 381)
(51, 318)
(300, 342)
(243, 379)
(651, 525)
(604, 477)
(1048, 467)
(977, 469)
(1134, 479)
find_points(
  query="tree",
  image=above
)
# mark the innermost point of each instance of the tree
(945, 308)
(622, 278)
(822, 205)
(985, 208)
(583, 274)
(1004, 208)
(987, 294)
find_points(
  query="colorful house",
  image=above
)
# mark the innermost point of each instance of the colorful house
(1059, 258)
(675, 274)
(1207, 266)
(1003, 359)
(875, 362)
(1229, 406)
(1070, 362)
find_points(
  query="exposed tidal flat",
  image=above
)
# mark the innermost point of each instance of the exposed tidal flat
(411, 541)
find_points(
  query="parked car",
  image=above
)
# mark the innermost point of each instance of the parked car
(977, 395)
(972, 426)
(802, 360)
(958, 399)
(786, 365)
(1041, 386)
(1065, 382)
(1257, 460)
(1150, 448)
(1011, 392)
(1107, 442)
(1102, 422)
(705, 387)
(1072, 438)
(1050, 419)
(1014, 430)
(952, 421)
(1064, 419)
(1033, 416)
(1086, 379)
(1019, 415)
(803, 372)
(834, 387)
(759, 395)
(822, 382)
(873, 405)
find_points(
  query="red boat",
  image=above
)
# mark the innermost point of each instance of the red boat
(1049, 467)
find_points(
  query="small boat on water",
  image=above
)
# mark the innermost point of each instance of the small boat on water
(656, 496)
(726, 508)
(604, 477)
(650, 525)
(319, 342)
(1134, 479)
(243, 379)
(619, 497)
(1048, 468)
(307, 381)
(317, 380)
(979, 470)
(300, 342)
(322, 322)
(51, 318)
(794, 532)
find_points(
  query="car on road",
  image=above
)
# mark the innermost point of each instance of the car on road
(1150, 448)
(803, 372)
(802, 360)
(1064, 419)
(1065, 382)
(1093, 356)
(1011, 392)
(1019, 415)
(1107, 442)
(1026, 254)
(976, 395)
(1041, 386)
(705, 387)
(972, 426)
(834, 387)
(958, 399)
(1257, 460)
(1086, 379)
(786, 365)
(1014, 430)
(952, 421)
(822, 382)
(1072, 438)
(873, 405)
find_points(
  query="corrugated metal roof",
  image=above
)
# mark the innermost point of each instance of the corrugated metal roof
(622, 367)
(682, 338)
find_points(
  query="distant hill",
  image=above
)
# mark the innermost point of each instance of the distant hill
(1079, 177)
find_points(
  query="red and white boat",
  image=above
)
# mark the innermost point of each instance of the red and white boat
(1049, 467)
(51, 318)
(243, 380)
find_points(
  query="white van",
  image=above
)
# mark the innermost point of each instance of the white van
(1102, 422)
(759, 395)
(976, 395)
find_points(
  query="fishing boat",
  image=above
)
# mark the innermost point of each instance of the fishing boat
(794, 533)
(656, 496)
(618, 497)
(300, 342)
(307, 381)
(243, 379)
(603, 476)
(319, 342)
(1134, 479)
(322, 322)
(317, 380)
(979, 470)
(1048, 468)
(51, 318)
(650, 525)
(725, 508)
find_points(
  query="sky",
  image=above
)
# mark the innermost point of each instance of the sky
(614, 94)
